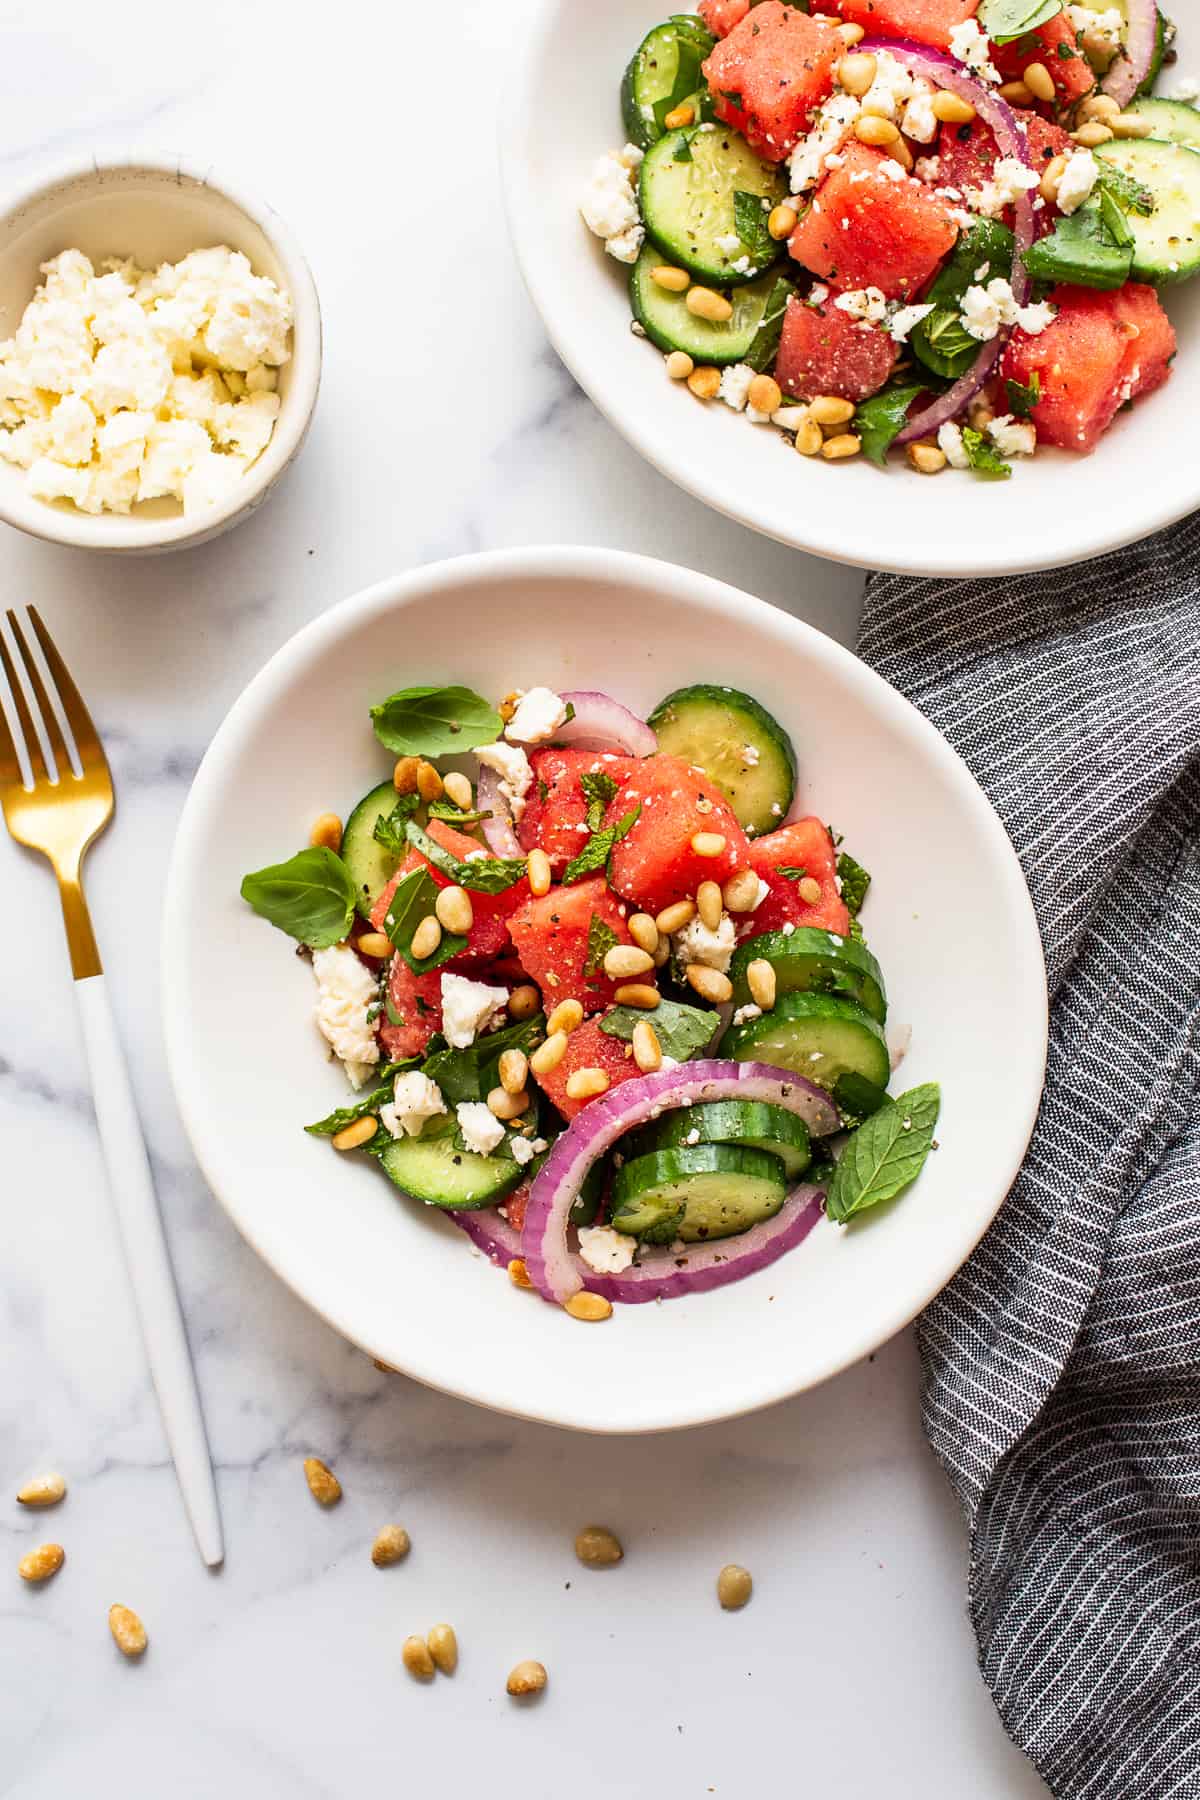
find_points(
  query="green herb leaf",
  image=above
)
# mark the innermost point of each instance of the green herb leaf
(1131, 195)
(599, 790)
(380, 1095)
(855, 882)
(435, 721)
(601, 938)
(1082, 251)
(681, 1030)
(764, 345)
(482, 875)
(1021, 398)
(414, 899)
(983, 456)
(451, 814)
(471, 1074)
(389, 827)
(879, 420)
(856, 1098)
(885, 1154)
(683, 149)
(1005, 20)
(1114, 219)
(599, 847)
(750, 223)
(790, 872)
(940, 340)
(311, 897)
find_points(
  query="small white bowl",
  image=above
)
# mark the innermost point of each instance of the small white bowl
(949, 917)
(561, 112)
(155, 211)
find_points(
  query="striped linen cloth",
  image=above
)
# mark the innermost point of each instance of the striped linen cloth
(1061, 1367)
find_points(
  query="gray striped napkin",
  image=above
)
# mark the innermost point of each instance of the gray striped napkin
(1061, 1367)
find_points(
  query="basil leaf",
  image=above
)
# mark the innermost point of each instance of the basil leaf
(483, 874)
(1123, 188)
(764, 345)
(879, 420)
(1081, 251)
(855, 882)
(681, 1030)
(983, 456)
(599, 790)
(389, 828)
(1005, 20)
(471, 1074)
(380, 1095)
(414, 899)
(1021, 398)
(885, 1154)
(601, 938)
(939, 340)
(435, 721)
(311, 897)
(750, 223)
(683, 149)
(599, 847)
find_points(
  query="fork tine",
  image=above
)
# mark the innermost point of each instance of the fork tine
(87, 738)
(53, 729)
(33, 744)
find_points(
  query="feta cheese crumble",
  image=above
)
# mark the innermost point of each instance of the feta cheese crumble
(1012, 437)
(745, 1013)
(986, 309)
(903, 321)
(540, 713)
(605, 1251)
(346, 991)
(468, 1007)
(1009, 179)
(1099, 32)
(735, 385)
(481, 1129)
(1077, 180)
(830, 126)
(609, 204)
(970, 44)
(863, 303)
(516, 777)
(415, 1098)
(950, 442)
(695, 943)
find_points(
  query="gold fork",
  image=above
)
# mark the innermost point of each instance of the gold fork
(59, 811)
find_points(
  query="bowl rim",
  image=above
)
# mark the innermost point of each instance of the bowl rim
(1085, 534)
(129, 532)
(565, 563)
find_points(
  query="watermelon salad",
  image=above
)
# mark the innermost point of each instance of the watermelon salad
(936, 226)
(605, 1001)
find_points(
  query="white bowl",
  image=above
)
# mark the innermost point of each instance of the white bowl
(155, 211)
(560, 112)
(948, 915)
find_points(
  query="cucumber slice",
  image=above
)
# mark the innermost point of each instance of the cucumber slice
(371, 866)
(698, 1193)
(754, 1123)
(815, 1035)
(1166, 245)
(737, 744)
(664, 72)
(687, 188)
(750, 336)
(814, 962)
(431, 1169)
(1173, 121)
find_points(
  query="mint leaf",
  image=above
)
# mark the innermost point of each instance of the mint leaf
(482, 875)
(599, 847)
(599, 790)
(764, 345)
(940, 340)
(435, 721)
(414, 899)
(1113, 217)
(879, 420)
(983, 457)
(471, 1074)
(750, 223)
(1021, 398)
(790, 872)
(380, 1095)
(681, 1030)
(683, 149)
(855, 882)
(885, 1154)
(601, 938)
(451, 815)
(389, 827)
(311, 897)
(1130, 193)
(1006, 20)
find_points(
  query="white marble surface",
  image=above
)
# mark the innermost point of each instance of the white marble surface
(445, 425)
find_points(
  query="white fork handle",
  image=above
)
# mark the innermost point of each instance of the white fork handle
(149, 1264)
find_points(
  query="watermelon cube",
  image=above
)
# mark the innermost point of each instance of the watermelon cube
(555, 818)
(967, 153)
(415, 1011)
(1102, 351)
(771, 73)
(804, 845)
(588, 1048)
(1056, 45)
(657, 862)
(489, 934)
(866, 228)
(824, 351)
(550, 935)
(924, 21)
(722, 15)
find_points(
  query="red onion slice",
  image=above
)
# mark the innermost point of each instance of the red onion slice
(604, 724)
(554, 1271)
(498, 830)
(498, 1240)
(1131, 65)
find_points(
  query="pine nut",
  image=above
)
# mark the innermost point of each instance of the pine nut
(1039, 81)
(952, 109)
(831, 409)
(323, 1484)
(740, 891)
(851, 34)
(356, 1134)
(503, 1105)
(40, 1564)
(643, 931)
(662, 954)
(591, 1308)
(518, 1274)
(808, 436)
(709, 904)
(508, 706)
(705, 303)
(1129, 125)
(979, 415)
(429, 782)
(547, 1056)
(926, 459)
(43, 1490)
(809, 890)
(901, 153)
(704, 383)
(710, 984)
(454, 910)
(856, 73)
(1016, 93)
(782, 221)
(765, 394)
(734, 1587)
(414, 1654)
(374, 943)
(1052, 174)
(524, 1001)
(585, 1084)
(674, 918)
(540, 873)
(835, 448)
(637, 994)
(760, 979)
(597, 1547)
(647, 1051)
(567, 1016)
(709, 844)
(528, 1677)
(679, 365)
(391, 1546)
(326, 833)
(404, 775)
(443, 1647)
(458, 789)
(514, 1071)
(1093, 134)
(676, 281)
(680, 117)
(1099, 106)
(624, 961)
(427, 937)
(129, 1634)
(880, 132)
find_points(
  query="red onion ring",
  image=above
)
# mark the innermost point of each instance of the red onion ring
(498, 1240)
(1131, 65)
(553, 1270)
(934, 66)
(601, 723)
(498, 830)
